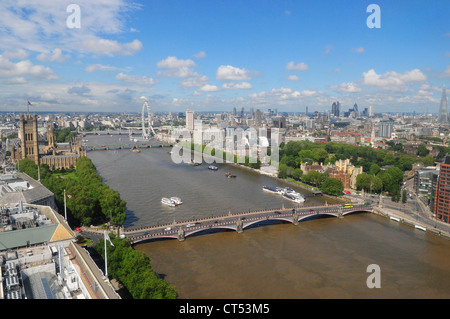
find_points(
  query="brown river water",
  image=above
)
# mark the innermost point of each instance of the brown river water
(318, 258)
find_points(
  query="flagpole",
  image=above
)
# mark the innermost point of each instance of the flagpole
(65, 209)
(106, 258)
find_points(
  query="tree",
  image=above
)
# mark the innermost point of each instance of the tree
(320, 155)
(377, 184)
(422, 150)
(374, 169)
(428, 160)
(395, 194)
(133, 269)
(404, 196)
(313, 177)
(363, 181)
(332, 186)
(396, 173)
(297, 174)
(282, 170)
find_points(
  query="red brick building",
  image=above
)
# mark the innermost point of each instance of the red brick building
(343, 177)
(442, 198)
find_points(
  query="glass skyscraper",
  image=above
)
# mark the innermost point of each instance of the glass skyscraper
(443, 108)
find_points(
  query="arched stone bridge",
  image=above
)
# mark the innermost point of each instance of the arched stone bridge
(240, 221)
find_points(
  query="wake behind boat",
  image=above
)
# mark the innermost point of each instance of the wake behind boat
(295, 198)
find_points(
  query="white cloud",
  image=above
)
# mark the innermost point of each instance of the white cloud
(237, 86)
(175, 67)
(349, 87)
(200, 55)
(40, 26)
(18, 54)
(195, 81)
(24, 68)
(293, 78)
(55, 55)
(100, 67)
(359, 50)
(231, 73)
(209, 88)
(173, 62)
(110, 47)
(392, 81)
(138, 79)
(299, 67)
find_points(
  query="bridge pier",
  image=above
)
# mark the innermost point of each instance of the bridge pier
(239, 226)
(181, 234)
(295, 218)
(340, 214)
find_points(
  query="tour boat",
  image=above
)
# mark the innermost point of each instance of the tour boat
(176, 200)
(168, 202)
(293, 195)
(271, 189)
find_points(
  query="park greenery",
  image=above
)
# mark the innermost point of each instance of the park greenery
(133, 269)
(91, 202)
(383, 170)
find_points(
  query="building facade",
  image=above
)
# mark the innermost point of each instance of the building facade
(425, 183)
(52, 155)
(442, 197)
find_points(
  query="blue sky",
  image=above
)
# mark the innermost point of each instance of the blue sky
(216, 55)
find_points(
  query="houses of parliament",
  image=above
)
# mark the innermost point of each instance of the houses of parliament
(45, 152)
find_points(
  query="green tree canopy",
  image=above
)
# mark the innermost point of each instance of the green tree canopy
(332, 186)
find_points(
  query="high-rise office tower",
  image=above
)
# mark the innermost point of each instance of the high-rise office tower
(443, 108)
(335, 108)
(190, 120)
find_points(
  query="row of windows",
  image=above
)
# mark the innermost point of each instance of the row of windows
(28, 137)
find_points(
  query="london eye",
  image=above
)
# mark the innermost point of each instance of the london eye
(147, 128)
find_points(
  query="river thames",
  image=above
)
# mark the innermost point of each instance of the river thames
(318, 258)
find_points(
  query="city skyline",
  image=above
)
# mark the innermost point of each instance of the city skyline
(219, 55)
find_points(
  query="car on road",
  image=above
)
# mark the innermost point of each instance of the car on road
(168, 228)
(190, 225)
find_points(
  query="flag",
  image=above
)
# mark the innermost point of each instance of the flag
(29, 103)
(108, 239)
(70, 196)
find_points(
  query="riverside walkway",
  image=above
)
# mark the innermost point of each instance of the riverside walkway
(239, 221)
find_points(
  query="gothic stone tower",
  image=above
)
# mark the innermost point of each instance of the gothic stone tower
(28, 134)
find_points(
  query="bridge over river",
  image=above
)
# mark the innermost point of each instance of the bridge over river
(239, 221)
(124, 146)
